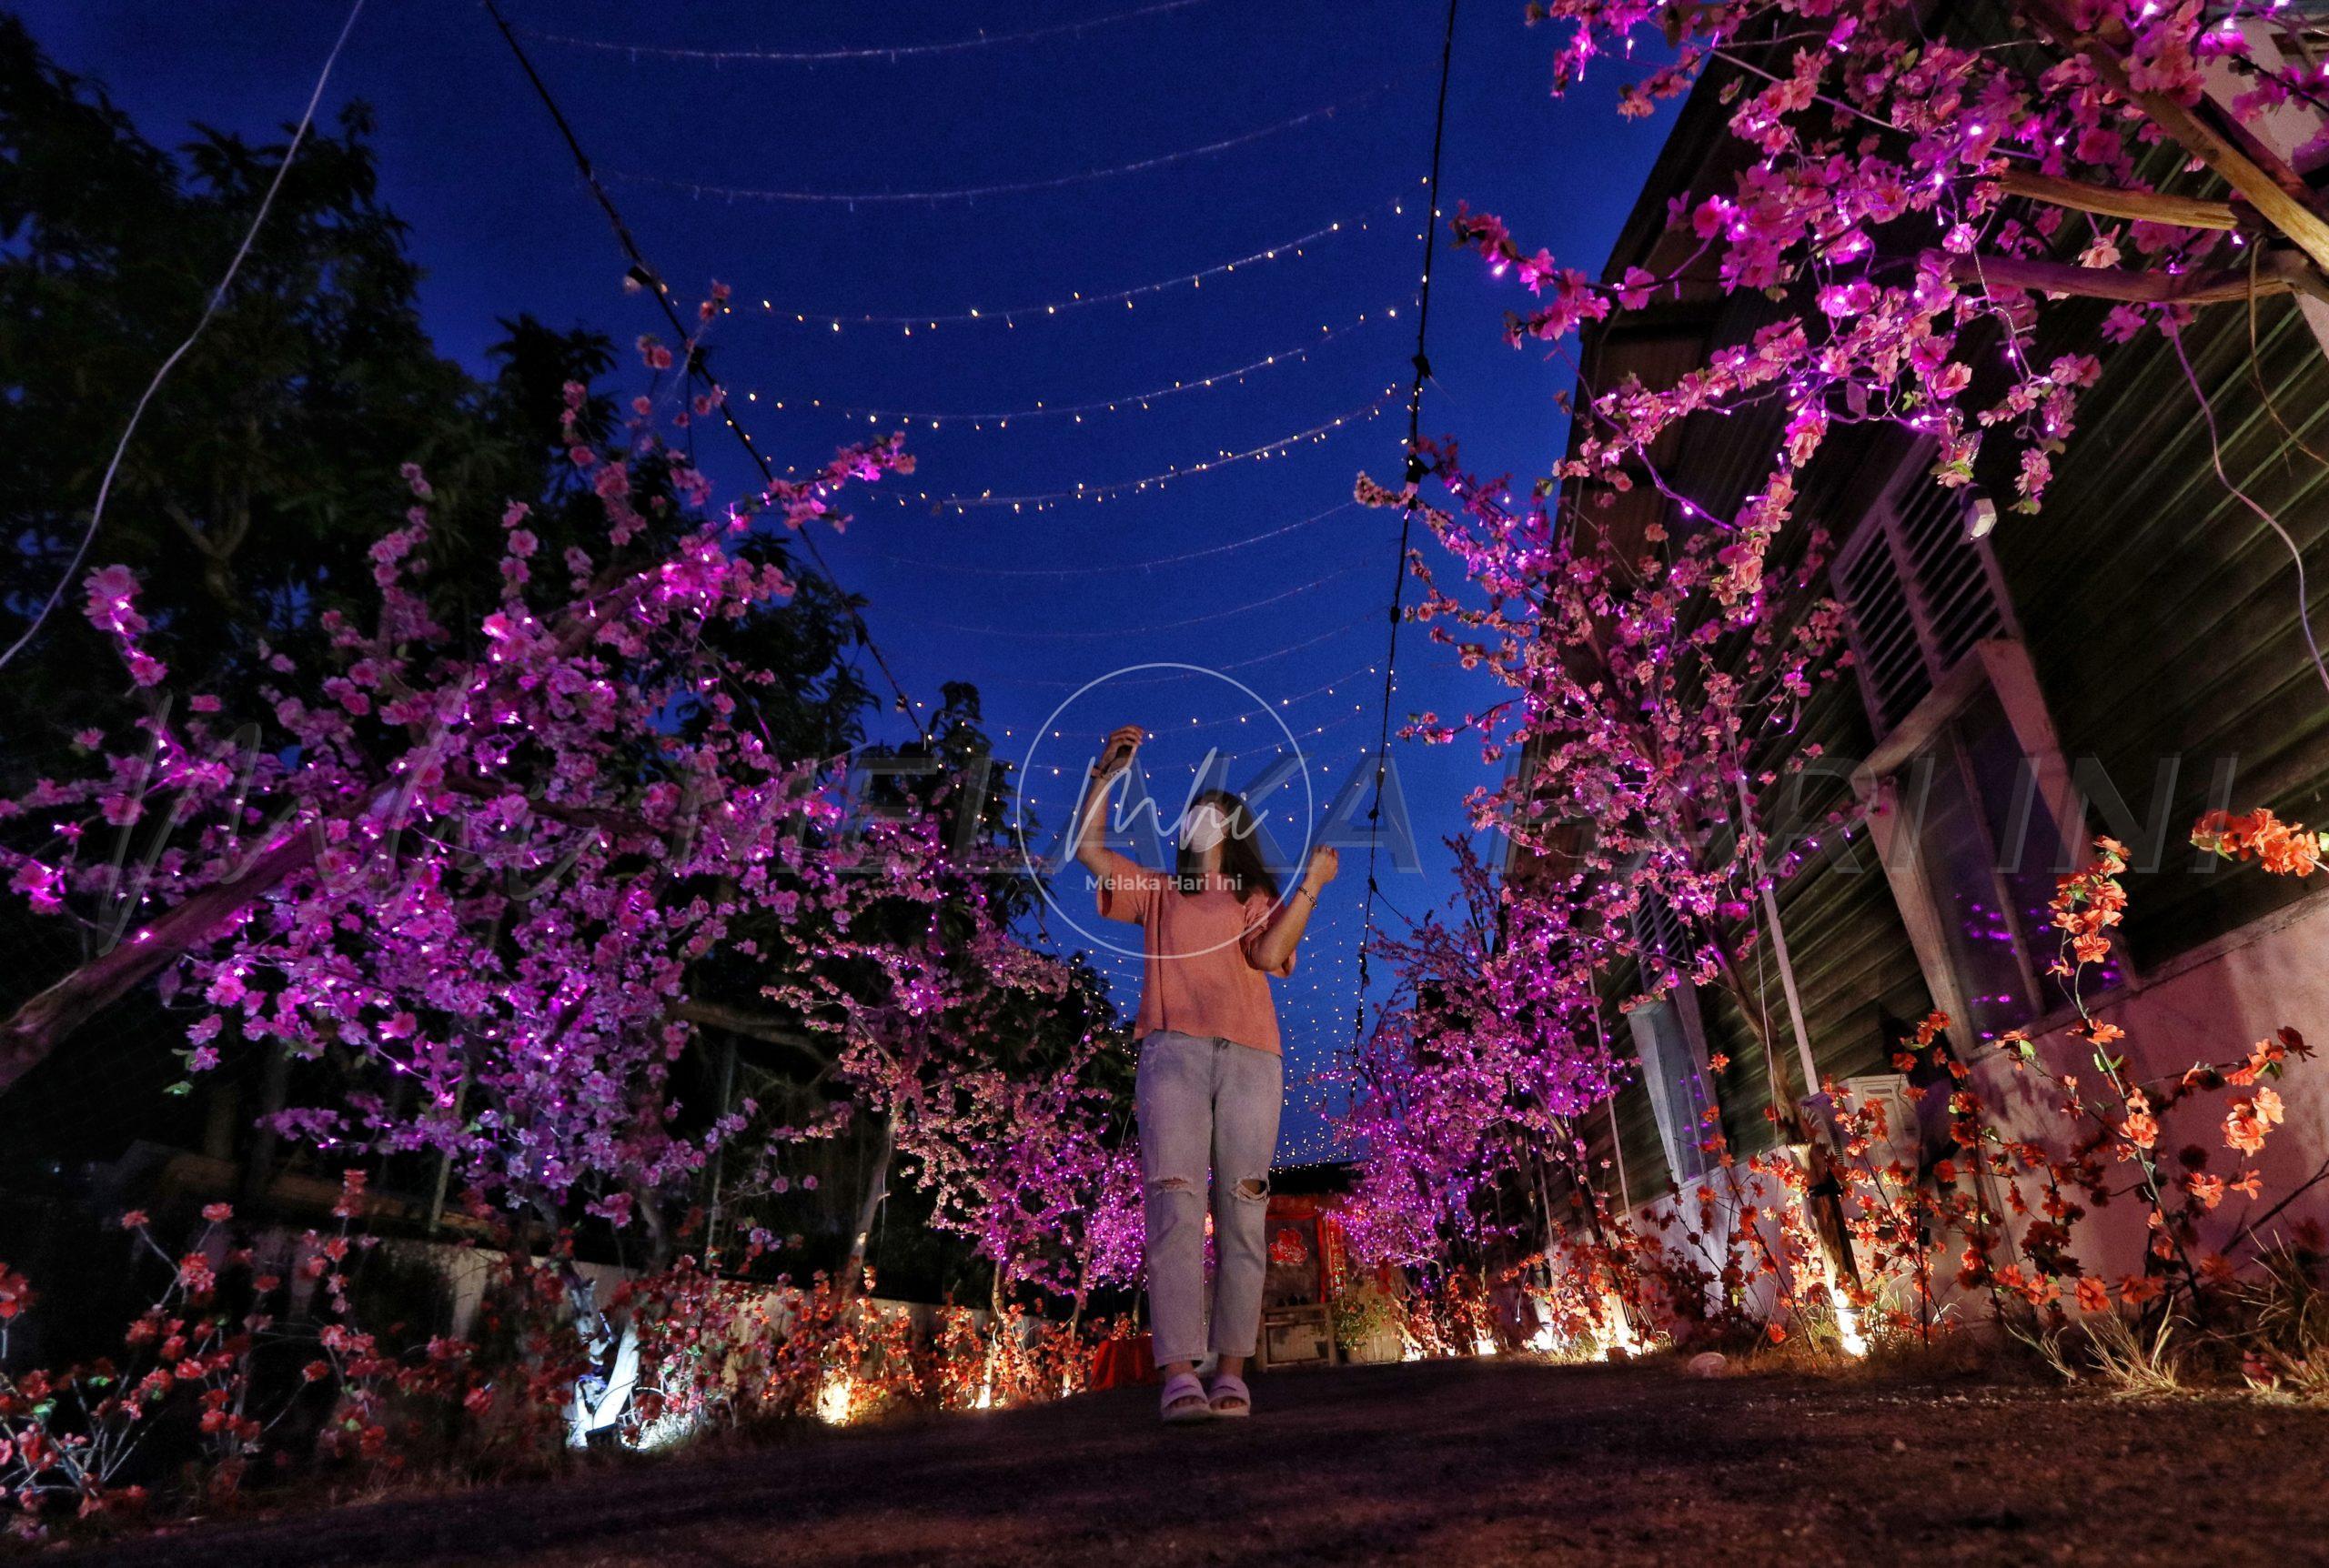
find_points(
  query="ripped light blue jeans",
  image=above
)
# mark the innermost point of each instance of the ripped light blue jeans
(1206, 1104)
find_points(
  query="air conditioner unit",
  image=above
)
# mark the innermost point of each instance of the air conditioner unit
(1901, 1141)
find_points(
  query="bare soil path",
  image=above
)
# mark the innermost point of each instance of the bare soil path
(1454, 1464)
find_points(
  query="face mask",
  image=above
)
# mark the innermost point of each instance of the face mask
(1205, 829)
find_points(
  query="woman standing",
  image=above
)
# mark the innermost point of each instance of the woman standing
(1212, 1079)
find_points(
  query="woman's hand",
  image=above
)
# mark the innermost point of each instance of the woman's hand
(1324, 861)
(1116, 751)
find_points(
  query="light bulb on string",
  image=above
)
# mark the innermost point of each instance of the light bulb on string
(1296, 249)
(1093, 491)
(1043, 408)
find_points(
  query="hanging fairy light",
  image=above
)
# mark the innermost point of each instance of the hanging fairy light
(1012, 316)
(853, 199)
(1366, 617)
(1056, 634)
(1123, 403)
(887, 53)
(1046, 500)
(1112, 569)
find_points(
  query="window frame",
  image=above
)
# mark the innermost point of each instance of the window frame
(2001, 666)
(1681, 1002)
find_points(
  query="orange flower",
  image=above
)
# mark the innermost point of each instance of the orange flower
(2243, 1129)
(2093, 1296)
(2285, 848)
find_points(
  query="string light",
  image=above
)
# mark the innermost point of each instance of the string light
(1079, 300)
(699, 190)
(1052, 634)
(1092, 492)
(1112, 569)
(885, 52)
(639, 269)
(1368, 618)
(1128, 401)
(1326, 688)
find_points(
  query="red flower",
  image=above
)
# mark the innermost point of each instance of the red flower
(15, 1294)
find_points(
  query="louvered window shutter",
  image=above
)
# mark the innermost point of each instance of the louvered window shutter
(1920, 593)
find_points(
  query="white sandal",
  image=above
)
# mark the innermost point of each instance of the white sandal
(1229, 1385)
(1185, 1400)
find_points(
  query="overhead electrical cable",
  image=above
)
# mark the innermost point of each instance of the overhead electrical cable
(210, 309)
(1415, 474)
(645, 274)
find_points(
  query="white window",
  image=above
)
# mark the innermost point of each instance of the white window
(1970, 806)
(1670, 1040)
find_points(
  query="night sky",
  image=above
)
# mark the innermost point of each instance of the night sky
(1257, 568)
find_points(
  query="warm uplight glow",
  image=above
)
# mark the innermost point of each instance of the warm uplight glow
(1847, 1325)
(834, 1400)
(1620, 1338)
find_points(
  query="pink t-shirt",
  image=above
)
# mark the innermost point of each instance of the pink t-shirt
(1197, 973)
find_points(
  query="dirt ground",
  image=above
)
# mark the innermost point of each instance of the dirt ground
(1450, 1463)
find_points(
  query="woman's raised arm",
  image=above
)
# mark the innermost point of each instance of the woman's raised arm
(1091, 825)
(1271, 950)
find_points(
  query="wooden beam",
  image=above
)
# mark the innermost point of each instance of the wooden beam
(2144, 207)
(2263, 179)
(2280, 273)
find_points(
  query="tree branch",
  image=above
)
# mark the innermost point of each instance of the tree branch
(753, 1026)
(38, 1025)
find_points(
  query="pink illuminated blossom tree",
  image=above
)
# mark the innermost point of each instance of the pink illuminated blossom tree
(1914, 188)
(474, 873)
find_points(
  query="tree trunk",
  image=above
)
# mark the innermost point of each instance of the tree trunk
(877, 1187)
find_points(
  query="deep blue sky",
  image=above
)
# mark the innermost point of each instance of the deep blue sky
(1029, 606)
